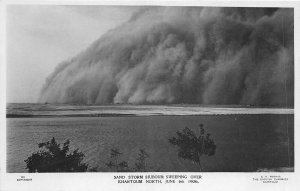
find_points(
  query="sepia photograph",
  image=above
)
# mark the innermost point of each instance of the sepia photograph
(113, 88)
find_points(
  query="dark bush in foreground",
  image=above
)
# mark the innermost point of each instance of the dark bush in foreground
(140, 165)
(54, 158)
(115, 164)
(192, 147)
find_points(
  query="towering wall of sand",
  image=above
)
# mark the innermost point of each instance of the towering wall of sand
(184, 55)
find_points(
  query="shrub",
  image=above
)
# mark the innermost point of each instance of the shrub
(192, 147)
(115, 164)
(140, 165)
(54, 158)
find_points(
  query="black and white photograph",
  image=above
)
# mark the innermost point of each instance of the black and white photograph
(95, 89)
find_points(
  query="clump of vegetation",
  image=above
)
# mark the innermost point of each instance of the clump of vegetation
(140, 165)
(55, 158)
(192, 147)
(115, 164)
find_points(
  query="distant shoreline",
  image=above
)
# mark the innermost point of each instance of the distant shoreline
(50, 110)
(75, 115)
(132, 115)
(155, 105)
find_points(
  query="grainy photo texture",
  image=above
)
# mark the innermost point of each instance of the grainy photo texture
(149, 89)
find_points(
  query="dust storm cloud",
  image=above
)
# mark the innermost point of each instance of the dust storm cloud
(191, 55)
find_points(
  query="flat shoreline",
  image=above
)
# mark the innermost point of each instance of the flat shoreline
(39, 110)
(130, 115)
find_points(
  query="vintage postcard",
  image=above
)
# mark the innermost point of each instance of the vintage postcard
(149, 95)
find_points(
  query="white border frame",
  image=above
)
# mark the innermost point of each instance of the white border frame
(104, 181)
